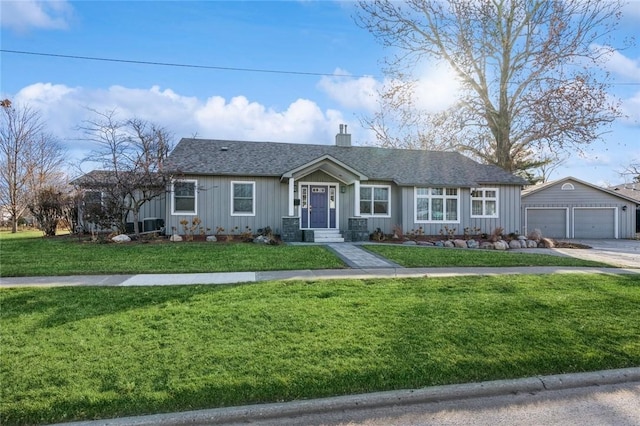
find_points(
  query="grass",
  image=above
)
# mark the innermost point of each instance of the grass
(100, 352)
(29, 254)
(432, 257)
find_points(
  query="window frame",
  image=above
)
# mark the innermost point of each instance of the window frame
(373, 200)
(484, 199)
(195, 198)
(253, 198)
(430, 197)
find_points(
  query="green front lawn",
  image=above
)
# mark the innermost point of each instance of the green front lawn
(30, 255)
(435, 257)
(100, 352)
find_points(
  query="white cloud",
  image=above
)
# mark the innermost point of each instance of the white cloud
(623, 66)
(65, 108)
(631, 108)
(436, 89)
(355, 93)
(23, 15)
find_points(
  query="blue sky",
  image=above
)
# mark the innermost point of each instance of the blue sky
(317, 37)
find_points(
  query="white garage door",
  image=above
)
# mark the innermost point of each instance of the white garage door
(551, 222)
(594, 223)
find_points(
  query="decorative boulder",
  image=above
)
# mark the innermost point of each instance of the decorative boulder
(261, 239)
(460, 243)
(175, 237)
(487, 246)
(122, 238)
(439, 244)
(472, 244)
(212, 238)
(449, 244)
(514, 244)
(500, 245)
(532, 244)
(409, 243)
(426, 243)
(523, 243)
(522, 237)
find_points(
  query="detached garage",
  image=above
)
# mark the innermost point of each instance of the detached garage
(571, 208)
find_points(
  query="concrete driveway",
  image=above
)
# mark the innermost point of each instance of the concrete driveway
(623, 253)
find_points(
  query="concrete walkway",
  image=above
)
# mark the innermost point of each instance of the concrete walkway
(356, 257)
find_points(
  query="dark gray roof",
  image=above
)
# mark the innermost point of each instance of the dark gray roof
(403, 166)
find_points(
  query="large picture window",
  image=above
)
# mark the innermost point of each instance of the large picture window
(243, 198)
(437, 204)
(374, 200)
(484, 202)
(184, 197)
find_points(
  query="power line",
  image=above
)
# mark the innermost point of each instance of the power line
(170, 64)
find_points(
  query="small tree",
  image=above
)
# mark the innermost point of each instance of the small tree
(51, 207)
(132, 153)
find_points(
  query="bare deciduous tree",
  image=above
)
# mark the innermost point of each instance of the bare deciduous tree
(131, 152)
(632, 171)
(30, 158)
(530, 73)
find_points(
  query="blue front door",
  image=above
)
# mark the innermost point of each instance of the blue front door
(319, 207)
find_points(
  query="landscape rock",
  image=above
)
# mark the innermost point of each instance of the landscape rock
(261, 239)
(460, 243)
(212, 238)
(514, 244)
(122, 238)
(175, 237)
(487, 245)
(426, 243)
(522, 237)
(532, 244)
(449, 244)
(472, 244)
(439, 244)
(409, 243)
(500, 245)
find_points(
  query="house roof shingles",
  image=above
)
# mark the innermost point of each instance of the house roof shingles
(402, 166)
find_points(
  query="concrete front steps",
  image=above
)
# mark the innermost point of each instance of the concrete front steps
(328, 236)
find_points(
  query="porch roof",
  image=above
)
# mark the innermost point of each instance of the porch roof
(330, 166)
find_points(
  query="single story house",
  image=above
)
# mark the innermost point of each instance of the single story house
(335, 192)
(572, 208)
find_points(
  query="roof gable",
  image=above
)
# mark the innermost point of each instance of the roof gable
(569, 179)
(402, 166)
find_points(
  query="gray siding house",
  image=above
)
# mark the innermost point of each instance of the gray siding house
(572, 208)
(330, 192)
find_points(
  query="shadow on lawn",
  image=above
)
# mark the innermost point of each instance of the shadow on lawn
(60, 306)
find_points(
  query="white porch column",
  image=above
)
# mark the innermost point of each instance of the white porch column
(291, 196)
(356, 195)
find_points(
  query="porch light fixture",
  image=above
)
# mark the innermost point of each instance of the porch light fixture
(343, 189)
(624, 208)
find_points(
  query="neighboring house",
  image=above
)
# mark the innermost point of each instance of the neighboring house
(572, 208)
(330, 192)
(630, 190)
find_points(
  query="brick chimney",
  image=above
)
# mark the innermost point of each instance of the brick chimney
(343, 138)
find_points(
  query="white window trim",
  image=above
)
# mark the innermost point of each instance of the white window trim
(253, 197)
(388, 213)
(430, 197)
(567, 187)
(484, 200)
(195, 201)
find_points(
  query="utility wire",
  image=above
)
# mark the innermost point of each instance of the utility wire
(169, 64)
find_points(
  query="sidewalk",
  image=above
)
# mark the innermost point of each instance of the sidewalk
(307, 275)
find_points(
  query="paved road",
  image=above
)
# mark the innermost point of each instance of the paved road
(624, 253)
(617, 404)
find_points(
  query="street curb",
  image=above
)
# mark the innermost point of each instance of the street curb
(252, 413)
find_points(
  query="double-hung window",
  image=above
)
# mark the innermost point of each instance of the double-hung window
(184, 200)
(484, 202)
(375, 200)
(437, 204)
(243, 198)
